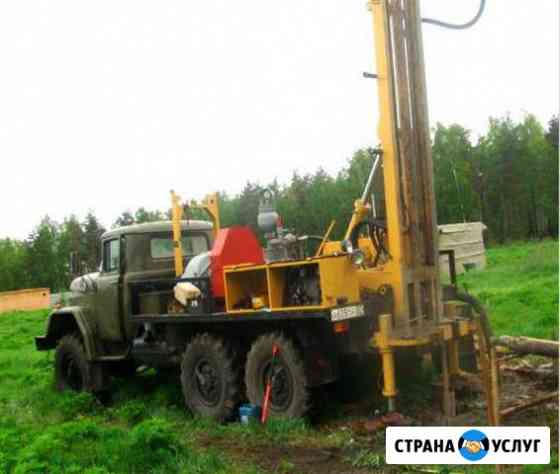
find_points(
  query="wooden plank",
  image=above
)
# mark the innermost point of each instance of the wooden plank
(24, 300)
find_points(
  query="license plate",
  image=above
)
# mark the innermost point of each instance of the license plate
(348, 312)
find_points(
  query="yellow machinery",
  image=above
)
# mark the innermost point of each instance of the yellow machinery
(210, 205)
(399, 266)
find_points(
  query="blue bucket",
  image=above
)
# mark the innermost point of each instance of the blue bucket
(249, 414)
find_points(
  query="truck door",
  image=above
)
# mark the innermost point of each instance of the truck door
(108, 292)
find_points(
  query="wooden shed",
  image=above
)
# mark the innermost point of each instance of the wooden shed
(467, 241)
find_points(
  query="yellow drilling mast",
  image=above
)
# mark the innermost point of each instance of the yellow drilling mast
(411, 271)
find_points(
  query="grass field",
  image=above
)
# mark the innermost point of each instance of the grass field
(519, 288)
(145, 429)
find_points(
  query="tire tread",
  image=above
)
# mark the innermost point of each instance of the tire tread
(231, 369)
(293, 358)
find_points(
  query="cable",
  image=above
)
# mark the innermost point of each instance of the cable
(462, 26)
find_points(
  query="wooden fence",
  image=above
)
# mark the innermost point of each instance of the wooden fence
(34, 298)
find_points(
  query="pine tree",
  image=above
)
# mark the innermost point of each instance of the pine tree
(43, 266)
(91, 247)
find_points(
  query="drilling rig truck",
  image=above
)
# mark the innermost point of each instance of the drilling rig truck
(214, 304)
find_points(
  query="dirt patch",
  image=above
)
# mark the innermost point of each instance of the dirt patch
(286, 458)
(353, 439)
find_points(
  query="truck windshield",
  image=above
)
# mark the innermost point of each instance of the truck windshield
(162, 247)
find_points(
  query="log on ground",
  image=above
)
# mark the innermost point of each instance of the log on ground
(528, 345)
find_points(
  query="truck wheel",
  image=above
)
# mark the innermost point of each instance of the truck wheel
(72, 369)
(210, 378)
(289, 395)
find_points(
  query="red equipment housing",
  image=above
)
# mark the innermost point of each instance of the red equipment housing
(233, 246)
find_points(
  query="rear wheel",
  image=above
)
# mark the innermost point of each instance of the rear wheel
(72, 369)
(289, 390)
(210, 378)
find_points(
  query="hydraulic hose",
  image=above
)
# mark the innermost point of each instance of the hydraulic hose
(454, 26)
(479, 308)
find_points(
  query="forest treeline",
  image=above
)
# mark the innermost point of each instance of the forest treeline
(508, 179)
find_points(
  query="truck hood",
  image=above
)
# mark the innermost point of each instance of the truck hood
(85, 284)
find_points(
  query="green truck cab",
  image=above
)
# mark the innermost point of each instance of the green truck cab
(98, 319)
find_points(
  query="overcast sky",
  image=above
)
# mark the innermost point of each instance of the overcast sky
(108, 105)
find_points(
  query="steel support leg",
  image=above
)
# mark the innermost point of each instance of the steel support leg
(388, 360)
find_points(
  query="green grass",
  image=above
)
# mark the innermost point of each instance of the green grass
(519, 287)
(146, 429)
